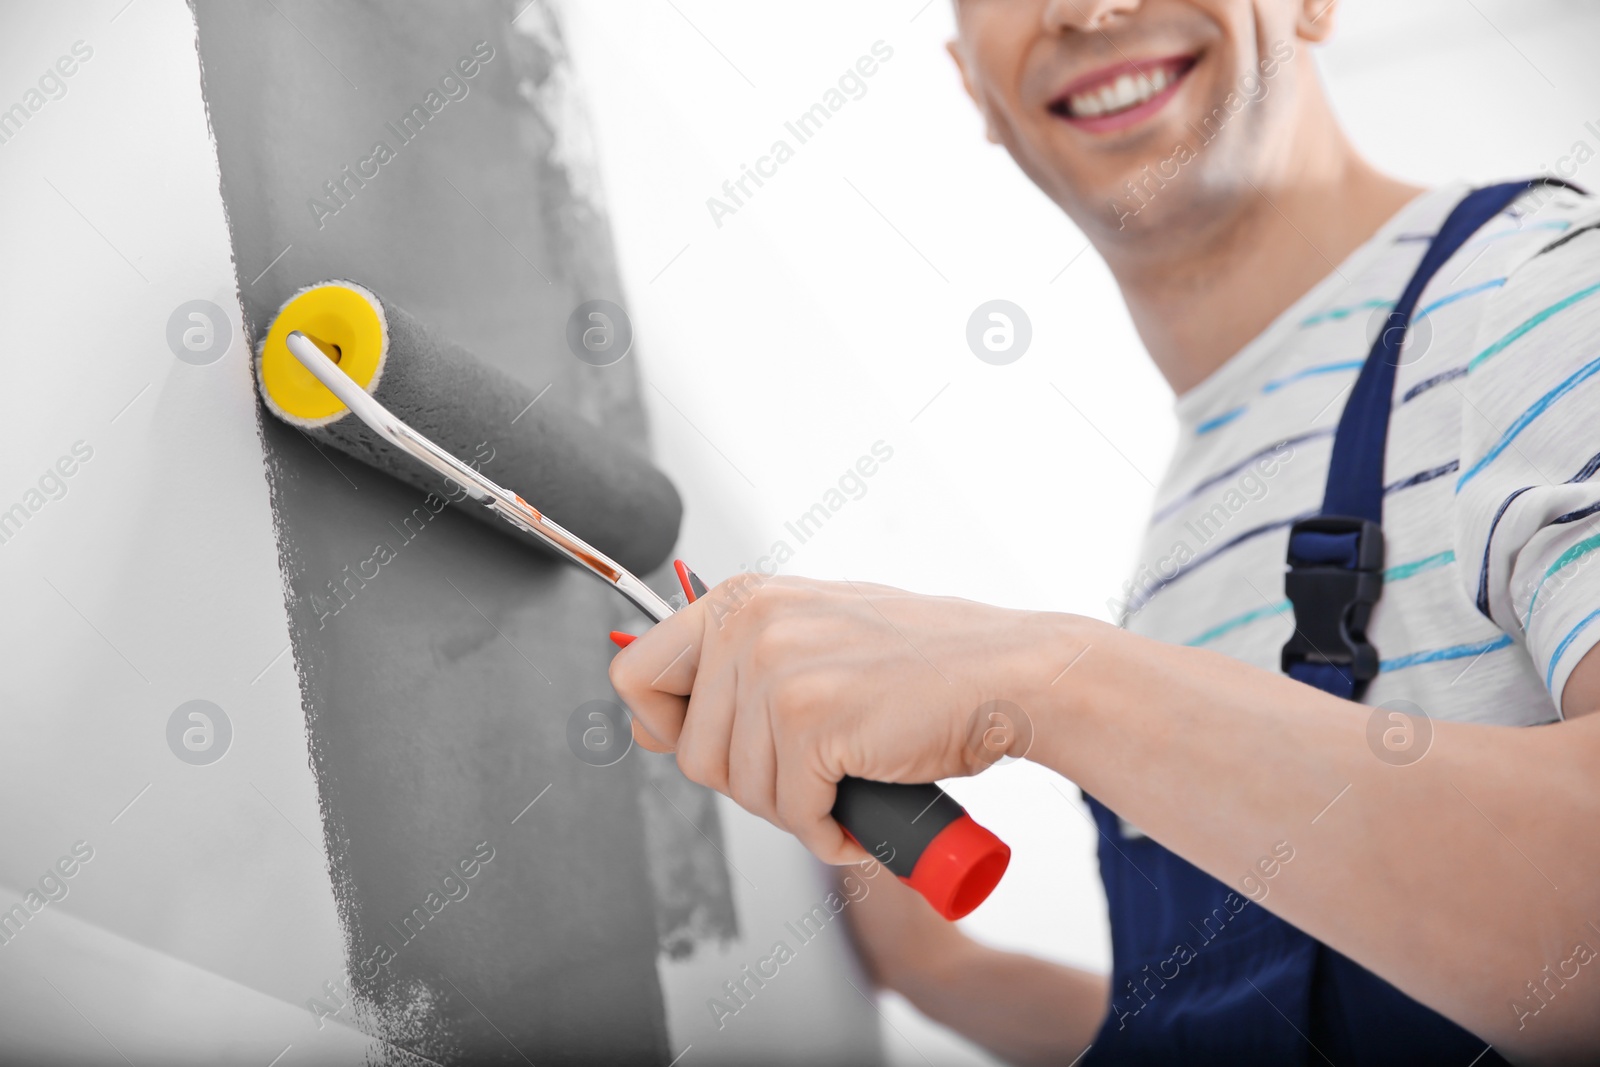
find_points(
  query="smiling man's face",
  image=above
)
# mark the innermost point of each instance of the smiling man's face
(1137, 116)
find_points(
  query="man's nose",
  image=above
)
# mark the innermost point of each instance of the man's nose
(1086, 15)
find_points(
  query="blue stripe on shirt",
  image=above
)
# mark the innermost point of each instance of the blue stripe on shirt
(1400, 663)
(1229, 625)
(1428, 383)
(1460, 294)
(1512, 231)
(1482, 600)
(1587, 471)
(1335, 314)
(1573, 516)
(1217, 421)
(1529, 325)
(1528, 417)
(1422, 476)
(1312, 372)
(1555, 657)
(1563, 561)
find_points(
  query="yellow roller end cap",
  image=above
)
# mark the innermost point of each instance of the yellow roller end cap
(337, 317)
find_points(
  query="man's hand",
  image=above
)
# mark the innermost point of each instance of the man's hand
(772, 689)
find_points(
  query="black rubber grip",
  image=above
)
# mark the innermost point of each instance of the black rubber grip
(895, 823)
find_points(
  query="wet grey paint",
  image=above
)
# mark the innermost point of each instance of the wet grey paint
(439, 689)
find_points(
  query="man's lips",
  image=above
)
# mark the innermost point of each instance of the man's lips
(1120, 96)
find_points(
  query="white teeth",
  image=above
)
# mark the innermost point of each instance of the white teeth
(1129, 90)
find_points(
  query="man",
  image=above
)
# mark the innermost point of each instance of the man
(1414, 876)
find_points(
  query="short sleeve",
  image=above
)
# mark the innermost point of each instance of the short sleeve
(1527, 492)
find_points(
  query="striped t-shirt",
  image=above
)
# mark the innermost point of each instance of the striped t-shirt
(1491, 515)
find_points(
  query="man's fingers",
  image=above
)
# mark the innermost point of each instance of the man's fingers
(660, 713)
(827, 841)
(753, 765)
(655, 673)
(852, 852)
(703, 741)
(804, 800)
(645, 739)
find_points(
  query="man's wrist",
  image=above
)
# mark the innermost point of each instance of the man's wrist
(1061, 683)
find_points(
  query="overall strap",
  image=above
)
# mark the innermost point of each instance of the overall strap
(1336, 558)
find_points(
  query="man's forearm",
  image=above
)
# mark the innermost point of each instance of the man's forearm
(1023, 1009)
(1441, 876)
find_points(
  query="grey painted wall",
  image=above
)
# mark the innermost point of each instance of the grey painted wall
(438, 694)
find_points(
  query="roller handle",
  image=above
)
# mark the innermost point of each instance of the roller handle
(926, 838)
(917, 831)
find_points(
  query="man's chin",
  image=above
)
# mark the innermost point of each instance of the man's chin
(1170, 192)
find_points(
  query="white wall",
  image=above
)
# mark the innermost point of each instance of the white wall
(829, 312)
(145, 579)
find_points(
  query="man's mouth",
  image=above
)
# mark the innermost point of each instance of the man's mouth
(1117, 97)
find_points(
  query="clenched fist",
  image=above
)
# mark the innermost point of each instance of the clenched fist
(771, 689)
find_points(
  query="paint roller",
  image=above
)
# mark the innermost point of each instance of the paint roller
(466, 408)
(365, 378)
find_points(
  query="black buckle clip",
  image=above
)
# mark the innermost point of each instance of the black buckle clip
(1335, 577)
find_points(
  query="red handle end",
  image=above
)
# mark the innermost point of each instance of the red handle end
(959, 868)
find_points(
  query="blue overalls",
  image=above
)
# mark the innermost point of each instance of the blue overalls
(1201, 976)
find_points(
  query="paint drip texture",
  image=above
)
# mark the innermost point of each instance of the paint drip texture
(439, 660)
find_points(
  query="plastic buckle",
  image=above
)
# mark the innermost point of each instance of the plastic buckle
(1335, 577)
